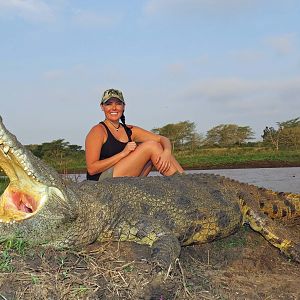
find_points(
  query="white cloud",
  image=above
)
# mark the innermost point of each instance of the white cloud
(255, 103)
(54, 74)
(153, 7)
(201, 59)
(282, 44)
(89, 18)
(33, 10)
(237, 92)
(248, 56)
(176, 68)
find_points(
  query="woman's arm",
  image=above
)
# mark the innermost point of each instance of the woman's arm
(93, 145)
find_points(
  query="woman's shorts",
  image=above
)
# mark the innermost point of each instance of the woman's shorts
(107, 174)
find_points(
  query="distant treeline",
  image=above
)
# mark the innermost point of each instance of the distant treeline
(60, 154)
(185, 139)
(183, 135)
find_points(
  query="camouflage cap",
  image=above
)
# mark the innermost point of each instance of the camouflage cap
(112, 93)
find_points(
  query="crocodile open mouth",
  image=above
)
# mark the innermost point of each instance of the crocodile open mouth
(16, 205)
(24, 195)
(31, 182)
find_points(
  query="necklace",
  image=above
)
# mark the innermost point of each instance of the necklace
(116, 127)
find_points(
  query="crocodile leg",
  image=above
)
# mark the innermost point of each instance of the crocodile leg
(165, 247)
(273, 232)
(165, 250)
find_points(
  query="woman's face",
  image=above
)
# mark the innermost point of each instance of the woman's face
(113, 109)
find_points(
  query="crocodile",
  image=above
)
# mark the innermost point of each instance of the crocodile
(165, 213)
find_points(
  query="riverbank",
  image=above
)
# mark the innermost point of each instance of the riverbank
(237, 158)
(207, 159)
(246, 165)
(236, 165)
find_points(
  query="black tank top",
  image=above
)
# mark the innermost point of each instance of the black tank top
(111, 147)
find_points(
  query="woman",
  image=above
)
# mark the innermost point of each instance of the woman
(115, 150)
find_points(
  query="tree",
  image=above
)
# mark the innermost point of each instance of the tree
(290, 123)
(58, 153)
(290, 138)
(168, 131)
(228, 135)
(180, 134)
(271, 136)
(195, 141)
(287, 135)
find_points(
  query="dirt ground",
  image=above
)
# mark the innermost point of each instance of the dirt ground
(242, 266)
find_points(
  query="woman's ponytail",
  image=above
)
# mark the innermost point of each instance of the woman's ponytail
(127, 129)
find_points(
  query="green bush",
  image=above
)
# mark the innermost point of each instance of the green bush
(4, 181)
(214, 157)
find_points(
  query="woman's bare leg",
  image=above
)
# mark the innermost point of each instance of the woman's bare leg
(147, 169)
(135, 162)
(176, 165)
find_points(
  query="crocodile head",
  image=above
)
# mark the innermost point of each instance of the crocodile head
(35, 190)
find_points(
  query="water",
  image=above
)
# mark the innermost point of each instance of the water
(277, 179)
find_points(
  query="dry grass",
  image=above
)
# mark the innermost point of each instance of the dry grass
(242, 266)
(97, 273)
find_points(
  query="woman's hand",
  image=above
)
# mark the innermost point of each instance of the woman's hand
(131, 146)
(163, 162)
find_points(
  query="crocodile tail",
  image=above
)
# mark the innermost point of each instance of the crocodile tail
(284, 206)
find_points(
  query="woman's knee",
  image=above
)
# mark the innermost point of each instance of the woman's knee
(151, 146)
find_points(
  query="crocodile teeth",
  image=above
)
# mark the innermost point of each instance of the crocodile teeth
(10, 143)
(6, 149)
(18, 152)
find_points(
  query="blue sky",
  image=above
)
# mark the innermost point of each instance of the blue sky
(207, 61)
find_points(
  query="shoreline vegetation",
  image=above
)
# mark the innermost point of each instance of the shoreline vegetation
(198, 159)
(219, 158)
(238, 158)
(224, 146)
